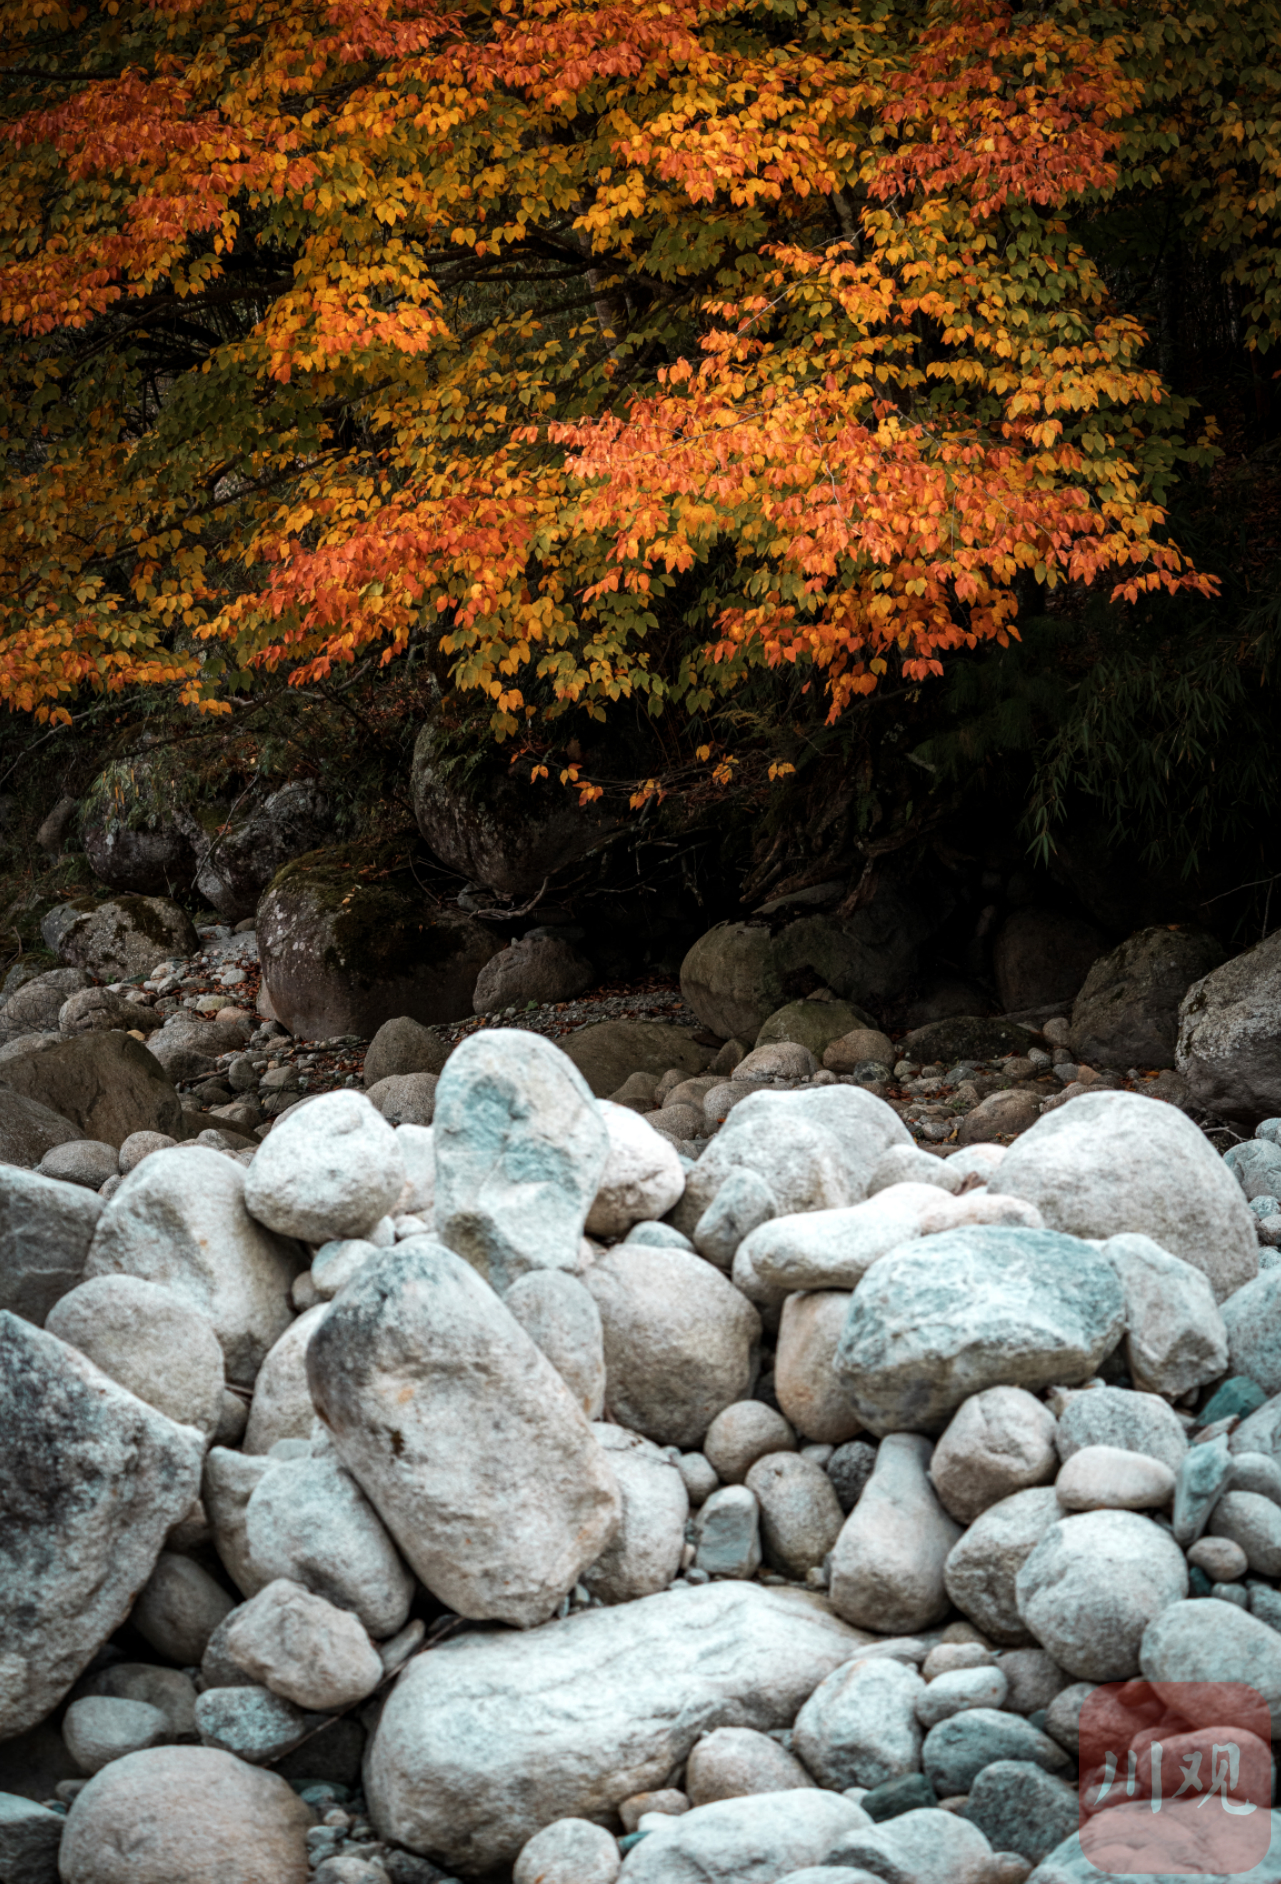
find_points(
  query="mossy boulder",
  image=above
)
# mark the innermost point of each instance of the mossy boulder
(492, 824)
(120, 940)
(965, 1037)
(348, 939)
(1127, 1013)
(741, 973)
(140, 862)
(813, 1024)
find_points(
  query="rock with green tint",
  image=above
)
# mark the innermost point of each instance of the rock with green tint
(907, 1794)
(1237, 1397)
(814, 1024)
(348, 940)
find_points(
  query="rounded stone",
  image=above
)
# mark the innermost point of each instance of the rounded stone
(1106, 1478)
(560, 1317)
(331, 1169)
(1222, 1558)
(809, 1390)
(86, 1161)
(745, 1432)
(1092, 1585)
(733, 1762)
(140, 1145)
(801, 1516)
(99, 1729)
(569, 1851)
(699, 1477)
(996, 1443)
(178, 1609)
(176, 1813)
(149, 1340)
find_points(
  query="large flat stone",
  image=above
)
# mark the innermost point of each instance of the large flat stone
(492, 1736)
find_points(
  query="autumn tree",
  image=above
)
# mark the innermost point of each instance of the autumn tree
(607, 351)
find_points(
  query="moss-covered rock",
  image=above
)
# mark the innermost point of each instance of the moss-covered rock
(740, 973)
(966, 1037)
(493, 824)
(348, 939)
(122, 939)
(814, 1024)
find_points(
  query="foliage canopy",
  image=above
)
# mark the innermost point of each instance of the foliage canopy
(607, 350)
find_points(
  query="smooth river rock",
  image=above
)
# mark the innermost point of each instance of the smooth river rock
(179, 1219)
(521, 1147)
(494, 1735)
(462, 1435)
(948, 1317)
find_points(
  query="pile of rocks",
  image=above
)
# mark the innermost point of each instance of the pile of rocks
(514, 1496)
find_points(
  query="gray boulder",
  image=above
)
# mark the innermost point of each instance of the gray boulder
(1212, 1643)
(1040, 958)
(98, 1010)
(1019, 1808)
(149, 1341)
(180, 1220)
(34, 1007)
(342, 952)
(309, 1521)
(982, 1570)
(953, 1314)
(520, 1148)
(538, 969)
(469, 1761)
(185, 1812)
(915, 1847)
(1092, 1585)
(957, 1750)
(125, 938)
(107, 1085)
(816, 1150)
(30, 1130)
(1115, 1416)
(859, 1727)
(644, 1553)
(744, 1841)
(1229, 1044)
(680, 1341)
(30, 1835)
(1175, 1336)
(330, 1171)
(414, 1369)
(91, 1480)
(45, 1232)
(888, 1564)
(1127, 1013)
(608, 1052)
(86, 1162)
(1114, 1161)
(234, 865)
(140, 861)
(405, 1098)
(1254, 1339)
(498, 828)
(403, 1046)
(559, 1315)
